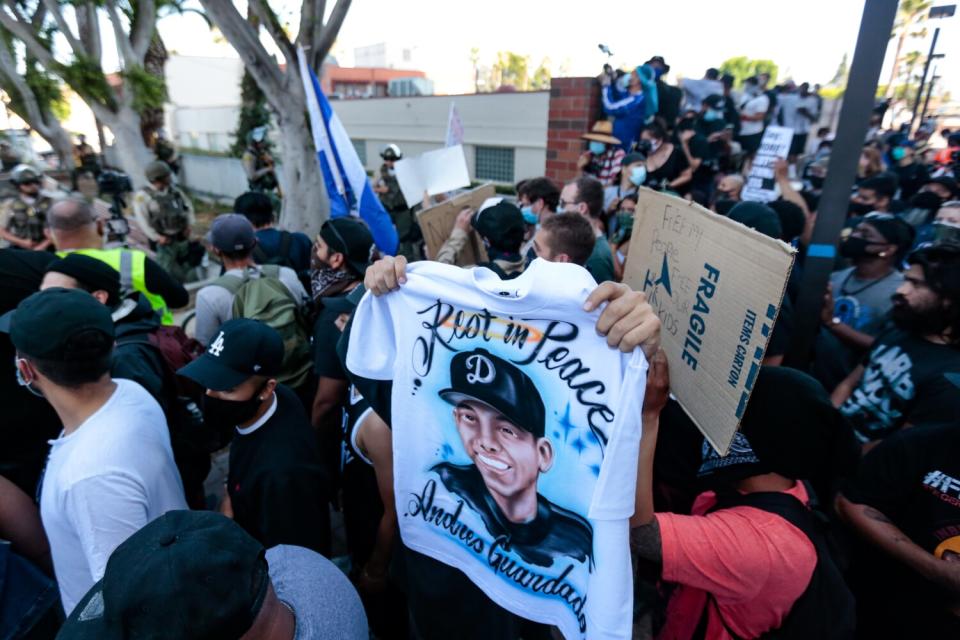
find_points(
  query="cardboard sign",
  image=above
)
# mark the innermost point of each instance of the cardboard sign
(437, 222)
(775, 145)
(435, 172)
(717, 287)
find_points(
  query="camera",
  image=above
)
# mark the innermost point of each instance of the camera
(115, 184)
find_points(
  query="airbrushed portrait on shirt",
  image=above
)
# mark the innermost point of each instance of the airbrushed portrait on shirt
(518, 462)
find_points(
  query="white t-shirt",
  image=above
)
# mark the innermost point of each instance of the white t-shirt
(790, 105)
(102, 483)
(516, 431)
(753, 106)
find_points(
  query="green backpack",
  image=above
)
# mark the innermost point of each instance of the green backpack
(268, 300)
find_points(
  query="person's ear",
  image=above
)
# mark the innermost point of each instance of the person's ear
(545, 451)
(27, 371)
(101, 296)
(562, 257)
(268, 389)
(101, 230)
(337, 260)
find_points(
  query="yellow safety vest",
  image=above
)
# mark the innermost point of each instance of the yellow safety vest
(131, 265)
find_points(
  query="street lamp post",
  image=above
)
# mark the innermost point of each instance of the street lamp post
(943, 11)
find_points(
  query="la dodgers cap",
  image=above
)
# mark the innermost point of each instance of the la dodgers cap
(241, 349)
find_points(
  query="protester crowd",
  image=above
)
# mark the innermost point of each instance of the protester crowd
(835, 514)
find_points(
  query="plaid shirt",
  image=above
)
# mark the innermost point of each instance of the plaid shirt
(606, 166)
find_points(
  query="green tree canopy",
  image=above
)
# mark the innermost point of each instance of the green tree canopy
(742, 67)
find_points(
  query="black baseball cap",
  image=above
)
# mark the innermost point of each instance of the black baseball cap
(714, 101)
(501, 223)
(43, 324)
(232, 232)
(186, 575)
(241, 349)
(479, 375)
(352, 238)
(90, 273)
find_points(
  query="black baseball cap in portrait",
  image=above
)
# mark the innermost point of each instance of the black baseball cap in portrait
(481, 376)
(241, 349)
(190, 575)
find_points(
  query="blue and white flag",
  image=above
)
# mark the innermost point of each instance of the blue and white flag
(349, 189)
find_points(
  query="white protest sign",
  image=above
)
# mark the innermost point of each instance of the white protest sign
(454, 127)
(716, 286)
(775, 145)
(434, 172)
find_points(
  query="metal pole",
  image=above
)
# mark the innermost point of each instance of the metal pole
(858, 101)
(926, 101)
(923, 78)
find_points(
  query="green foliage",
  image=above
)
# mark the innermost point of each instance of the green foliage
(86, 77)
(253, 113)
(149, 91)
(513, 69)
(742, 67)
(48, 91)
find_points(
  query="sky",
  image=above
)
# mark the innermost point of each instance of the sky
(806, 39)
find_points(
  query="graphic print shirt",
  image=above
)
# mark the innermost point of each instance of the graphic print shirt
(516, 431)
(903, 383)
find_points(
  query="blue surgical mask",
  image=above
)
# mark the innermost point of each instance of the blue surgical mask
(898, 153)
(638, 175)
(712, 115)
(624, 82)
(528, 215)
(22, 381)
(597, 148)
(620, 257)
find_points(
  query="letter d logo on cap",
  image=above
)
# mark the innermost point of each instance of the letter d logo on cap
(481, 370)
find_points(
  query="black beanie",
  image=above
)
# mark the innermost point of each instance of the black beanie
(91, 274)
(759, 216)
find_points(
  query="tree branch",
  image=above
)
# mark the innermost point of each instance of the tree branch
(245, 40)
(54, 8)
(88, 29)
(127, 55)
(269, 21)
(8, 68)
(142, 25)
(21, 29)
(321, 46)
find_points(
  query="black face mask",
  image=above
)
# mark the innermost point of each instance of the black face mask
(644, 147)
(926, 200)
(859, 208)
(855, 247)
(922, 323)
(223, 415)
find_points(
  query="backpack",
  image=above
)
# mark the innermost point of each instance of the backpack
(283, 254)
(268, 300)
(826, 609)
(170, 218)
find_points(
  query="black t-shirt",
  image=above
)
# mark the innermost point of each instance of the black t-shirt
(278, 489)
(28, 421)
(326, 363)
(913, 478)
(782, 330)
(911, 178)
(160, 282)
(669, 170)
(903, 383)
(703, 176)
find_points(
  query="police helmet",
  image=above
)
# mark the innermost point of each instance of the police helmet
(157, 170)
(23, 173)
(391, 152)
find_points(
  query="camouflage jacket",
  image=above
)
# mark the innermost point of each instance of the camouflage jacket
(27, 220)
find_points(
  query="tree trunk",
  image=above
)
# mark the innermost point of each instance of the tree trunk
(59, 139)
(129, 150)
(305, 203)
(151, 120)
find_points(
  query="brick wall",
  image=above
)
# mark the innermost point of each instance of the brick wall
(574, 107)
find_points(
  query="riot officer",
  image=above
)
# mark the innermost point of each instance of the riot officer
(24, 216)
(258, 163)
(393, 201)
(165, 214)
